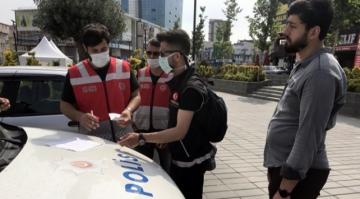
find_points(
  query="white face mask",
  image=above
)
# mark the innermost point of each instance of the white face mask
(164, 64)
(153, 63)
(100, 60)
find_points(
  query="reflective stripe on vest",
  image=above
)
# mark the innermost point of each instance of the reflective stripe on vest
(91, 92)
(160, 104)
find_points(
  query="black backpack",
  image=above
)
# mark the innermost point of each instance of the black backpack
(213, 114)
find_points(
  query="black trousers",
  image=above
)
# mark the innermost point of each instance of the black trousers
(190, 180)
(308, 188)
(164, 154)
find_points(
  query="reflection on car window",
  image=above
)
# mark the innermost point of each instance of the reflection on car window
(32, 97)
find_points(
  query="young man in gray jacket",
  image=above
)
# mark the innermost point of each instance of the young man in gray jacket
(295, 152)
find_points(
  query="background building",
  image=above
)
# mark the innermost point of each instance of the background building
(131, 7)
(5, 33)
(28, 35)
(213, 26)
(161, 12)
(244, 52)
(348, 46)
(136, 34)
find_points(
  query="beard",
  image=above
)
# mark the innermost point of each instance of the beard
(297, 45)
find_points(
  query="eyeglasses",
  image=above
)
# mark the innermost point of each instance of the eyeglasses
(166, 52)
(152, 53)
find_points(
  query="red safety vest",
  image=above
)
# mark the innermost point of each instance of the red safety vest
(155, 97)
(92, 94)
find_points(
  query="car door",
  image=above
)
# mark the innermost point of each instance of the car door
(34, 101)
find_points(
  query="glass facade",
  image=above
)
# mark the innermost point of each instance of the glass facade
(161, 12)
(125, 5)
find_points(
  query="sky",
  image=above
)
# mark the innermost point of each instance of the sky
(213, 11)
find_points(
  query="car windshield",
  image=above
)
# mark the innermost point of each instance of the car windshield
(31, 96)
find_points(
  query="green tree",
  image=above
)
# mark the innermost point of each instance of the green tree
(346, 15)
(222, 49)
(222, 46)
(261, 28)
(64, 18)
(231, 11)
(176, 24)
(199, 35)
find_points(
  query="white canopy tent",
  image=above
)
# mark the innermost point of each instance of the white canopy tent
(46, 53)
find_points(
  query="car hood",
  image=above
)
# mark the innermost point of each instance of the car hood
(105, 171)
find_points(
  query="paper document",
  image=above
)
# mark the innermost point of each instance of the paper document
(74, 145)
(114, 116)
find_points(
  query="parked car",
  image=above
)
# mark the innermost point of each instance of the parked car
(268, 69)
(34, 94)
(104, 171)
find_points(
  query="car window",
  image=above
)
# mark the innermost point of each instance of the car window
(32, 96)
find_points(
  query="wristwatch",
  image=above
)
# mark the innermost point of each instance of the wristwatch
(142, 140)
(284, 193)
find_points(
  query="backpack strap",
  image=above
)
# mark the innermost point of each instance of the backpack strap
(195, 82)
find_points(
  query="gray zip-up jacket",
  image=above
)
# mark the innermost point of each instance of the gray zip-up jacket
(307, 109)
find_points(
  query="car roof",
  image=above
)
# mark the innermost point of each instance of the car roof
(33, 70)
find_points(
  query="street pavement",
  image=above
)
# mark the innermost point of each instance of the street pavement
(239, 172)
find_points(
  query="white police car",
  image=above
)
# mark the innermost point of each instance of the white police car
(43, 169)
(34, 93)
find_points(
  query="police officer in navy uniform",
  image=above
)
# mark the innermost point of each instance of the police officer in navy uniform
(192, 153)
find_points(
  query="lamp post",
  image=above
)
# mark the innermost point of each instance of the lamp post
(15, 33)
(145, 27)
(194, 26)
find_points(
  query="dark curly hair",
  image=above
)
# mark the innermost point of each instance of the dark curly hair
(93, 34)
(314, 13)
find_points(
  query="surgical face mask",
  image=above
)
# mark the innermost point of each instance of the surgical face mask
(153, 63)
(164, 64)
(100, 60)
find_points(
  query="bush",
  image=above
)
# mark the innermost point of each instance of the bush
(354, 85)
(136, 60)
(10, 58)
(347, 72)
(32, 61)
(136, 63)
(355, 73)
(249, 73)
(205, 71)
(353, 79)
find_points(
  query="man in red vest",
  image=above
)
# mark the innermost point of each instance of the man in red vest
(153, 112)
(98, 86)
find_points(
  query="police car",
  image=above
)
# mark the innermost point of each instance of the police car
(34, 93)
(58, 164)
(45, 169)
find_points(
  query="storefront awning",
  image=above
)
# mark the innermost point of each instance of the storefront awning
(346, 48)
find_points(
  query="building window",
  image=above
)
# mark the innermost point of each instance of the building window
(153, 10)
